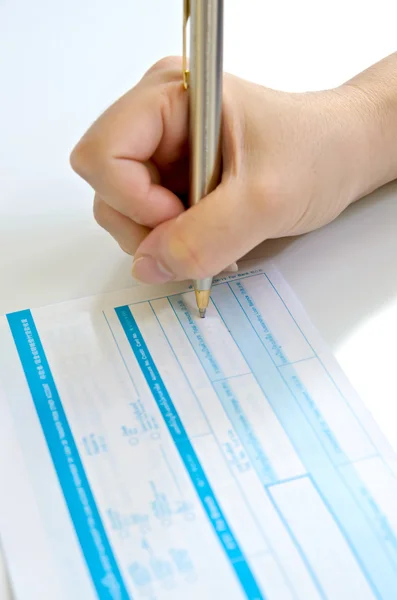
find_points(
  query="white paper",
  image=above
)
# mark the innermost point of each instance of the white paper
(152, 455)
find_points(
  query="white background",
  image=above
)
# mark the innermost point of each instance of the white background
(62, 63)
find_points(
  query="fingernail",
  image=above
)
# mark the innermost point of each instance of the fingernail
(148, 270)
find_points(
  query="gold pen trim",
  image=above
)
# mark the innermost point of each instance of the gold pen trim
(185, 70)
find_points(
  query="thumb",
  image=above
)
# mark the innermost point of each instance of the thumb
(204, 240)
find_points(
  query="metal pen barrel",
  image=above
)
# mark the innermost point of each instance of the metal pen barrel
(205, 108)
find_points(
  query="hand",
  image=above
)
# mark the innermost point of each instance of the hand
(290, 164)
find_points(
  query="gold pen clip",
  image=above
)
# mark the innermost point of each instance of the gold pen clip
(185, 70)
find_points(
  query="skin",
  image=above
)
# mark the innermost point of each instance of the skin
(291, 163)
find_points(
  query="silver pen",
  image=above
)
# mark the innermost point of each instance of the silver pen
(203, 80)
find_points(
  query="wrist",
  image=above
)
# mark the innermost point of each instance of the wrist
(370, 110)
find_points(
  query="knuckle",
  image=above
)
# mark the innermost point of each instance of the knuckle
(75, 159)
(100, 211)
(84, 157)
(165, 66)
(127, 248)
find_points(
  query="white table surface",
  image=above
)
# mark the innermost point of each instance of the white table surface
(62, 63)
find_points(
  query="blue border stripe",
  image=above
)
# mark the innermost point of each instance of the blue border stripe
(83, 511)
(192, 464)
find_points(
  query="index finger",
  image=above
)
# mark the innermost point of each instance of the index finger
(135, 143)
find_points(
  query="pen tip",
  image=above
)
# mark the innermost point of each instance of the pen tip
(202, 298)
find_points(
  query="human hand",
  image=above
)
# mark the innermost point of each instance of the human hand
(290, 165)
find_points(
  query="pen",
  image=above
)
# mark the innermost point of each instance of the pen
(203, 80)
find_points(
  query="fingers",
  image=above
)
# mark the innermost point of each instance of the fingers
(131, 189)
(129, 150)
(127, 234)
(207, 238)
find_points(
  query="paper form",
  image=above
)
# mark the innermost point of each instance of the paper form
(152, 455)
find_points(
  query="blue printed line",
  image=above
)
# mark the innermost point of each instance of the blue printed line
(375, 517)
(213, 384)
(288, 310)
(298, 547)
(287, 480)
(171, 470)
(192, 464)
(211, 432)
(313, 415)
(260, 462)
(308, 406)
(252, 445)
(301, 433)
(96, 548)
(352, 547)
(376, 565)
(321, 362)
(365, 458)
(121, 354)
(264, 330)
(232, 377)
(190, 289)
(259, 474)
(300, 360)
(260, 272)
(194, 334)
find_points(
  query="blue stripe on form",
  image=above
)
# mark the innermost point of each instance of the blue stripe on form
(190, 460)
(83, 511)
